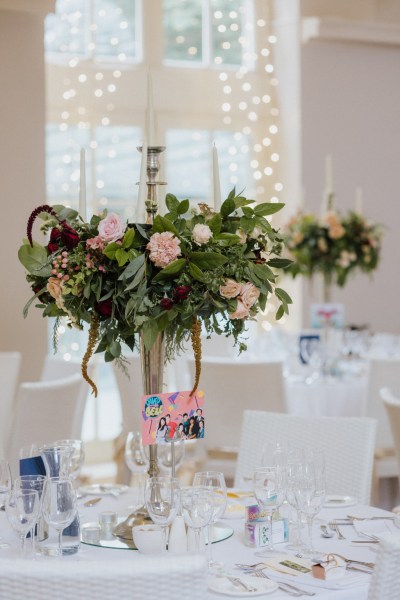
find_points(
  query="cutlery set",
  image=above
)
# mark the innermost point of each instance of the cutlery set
(258, 571)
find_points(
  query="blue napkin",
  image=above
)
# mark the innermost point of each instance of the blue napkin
(32, 466)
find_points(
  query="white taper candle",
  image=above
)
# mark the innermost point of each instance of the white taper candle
(142, 193)
(216, 183)
(82, 185)
(151, 133)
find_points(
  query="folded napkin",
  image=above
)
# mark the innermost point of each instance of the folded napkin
(347, 581)
(374, 528)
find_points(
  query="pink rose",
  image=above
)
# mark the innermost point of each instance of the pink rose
(164, 248)
(249, 294)
(231, 289)
(111, 228)
(241, 311)
(201, 233)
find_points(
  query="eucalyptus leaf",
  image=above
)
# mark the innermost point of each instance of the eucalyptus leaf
(268, 208)
(279, 263)
(137, 279)
(195, 272)
(207, 260)
(172, 269)
(283, 296)
(132, 268)
(35, 260)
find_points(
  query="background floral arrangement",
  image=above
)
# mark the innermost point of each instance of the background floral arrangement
(333, 245)
(186, 268)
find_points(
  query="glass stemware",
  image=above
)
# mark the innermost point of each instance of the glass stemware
(59, 505)
(22, 510)
(36, 483)
(162, 498)
(77, 457)
(5, 482)
(135, 457)
(215, 482)
(197, 510)
(171, 455)
(270, 493)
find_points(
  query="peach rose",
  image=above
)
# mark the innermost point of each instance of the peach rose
(111, 228)
(249, 294)
(201, 233)
(54, 287)
(230, 289)
(241, 311)
(336, 232)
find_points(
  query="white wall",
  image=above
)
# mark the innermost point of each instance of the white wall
(350, 109)
(22, 172)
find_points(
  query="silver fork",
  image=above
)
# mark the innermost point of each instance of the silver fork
(334, 527)
(290, 589)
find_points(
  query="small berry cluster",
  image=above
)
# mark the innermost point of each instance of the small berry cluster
(61, 262)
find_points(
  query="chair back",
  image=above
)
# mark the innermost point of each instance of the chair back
(10, 363)
(46, 411)
(392, 407)
(232, 386)
(383, 373)
(166, 578)
(385, 580)
(347, 442)
(55, 367)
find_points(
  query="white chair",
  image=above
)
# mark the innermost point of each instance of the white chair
(383, 373)
(392, 407)
(10, 363)
(348, 443)
(45, 411)
(132, 578)
(229, 388)
(385, 580)
(55, 367)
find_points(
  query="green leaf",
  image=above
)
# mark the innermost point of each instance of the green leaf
(279, 313)
(283, 296)
(195, 272)
(132, 268)
(27, 305)
(241, 202)
(215, 224)
(122, 256)
(227, 239)
(248, 212)
(228, 207)
(183, 207)
(111, 249)
(142, 231)
(150, 332)
(268, 208)
(279, 263)
(162, 224)
(172, 203)
(232, 194)
(207, 260)
(115, 349)
(262, 301)
(137, 279)
(172, 269)
(263, 272)
(35, 260)
(128, 238)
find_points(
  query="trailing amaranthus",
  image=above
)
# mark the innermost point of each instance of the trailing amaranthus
(195, 334)
(92, 340)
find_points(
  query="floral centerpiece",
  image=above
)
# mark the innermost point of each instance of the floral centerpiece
(333, 245)
(186, 268)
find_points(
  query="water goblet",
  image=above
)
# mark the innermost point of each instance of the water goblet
(22, 510)
(171, 455)
(59, 505)
(214, 481)
(32, 482)
(162, 499)
(269, 492)
(135, 457)
(197, 510)
(77, 456)
(310, 492)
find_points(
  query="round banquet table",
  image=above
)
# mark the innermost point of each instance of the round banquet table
(327, 397)
(353, 586)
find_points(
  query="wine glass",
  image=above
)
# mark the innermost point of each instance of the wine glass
(22, 510)
(310, 492)
(197, 510)
(59, 505)
(5, 482)
(31, 482)
(171, 455)
(215, 482)
(162, 498)
(77, 456)
(270, 493)
(135, 457)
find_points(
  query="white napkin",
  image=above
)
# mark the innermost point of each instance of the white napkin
(375, 528)
(349, 580)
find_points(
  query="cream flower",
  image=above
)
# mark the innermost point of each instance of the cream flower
(255, 234)
(241, 311)
(201, 233)
(164, 248)
(242, 235)
(54, 287)
(336, 232)
(249, 294)
(230, 289)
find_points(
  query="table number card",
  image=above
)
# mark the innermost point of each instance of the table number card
(327, 315)
(173, 415)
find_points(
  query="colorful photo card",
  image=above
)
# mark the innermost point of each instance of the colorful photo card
(327, 315)
(173, 415)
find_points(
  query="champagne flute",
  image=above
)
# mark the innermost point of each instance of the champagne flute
(215, 482)
(197, 510)
(22, 510)
(310, 493)
(59, 505)
(270, 493)
(162, 498)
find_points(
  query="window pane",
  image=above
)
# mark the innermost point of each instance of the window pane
(226, 19)
(62, 163)
(67, 29)
(115, 33)
(189, 163)
(183, 30)
(117, 168)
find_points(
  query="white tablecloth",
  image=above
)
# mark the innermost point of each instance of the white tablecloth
(229, 552)
(330, 397)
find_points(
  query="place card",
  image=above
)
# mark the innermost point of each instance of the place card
(327, 315)
(172, 416)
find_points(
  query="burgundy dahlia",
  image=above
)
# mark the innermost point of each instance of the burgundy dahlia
(69, 237)
(166, 303)
(181, 292)
(104, 308)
